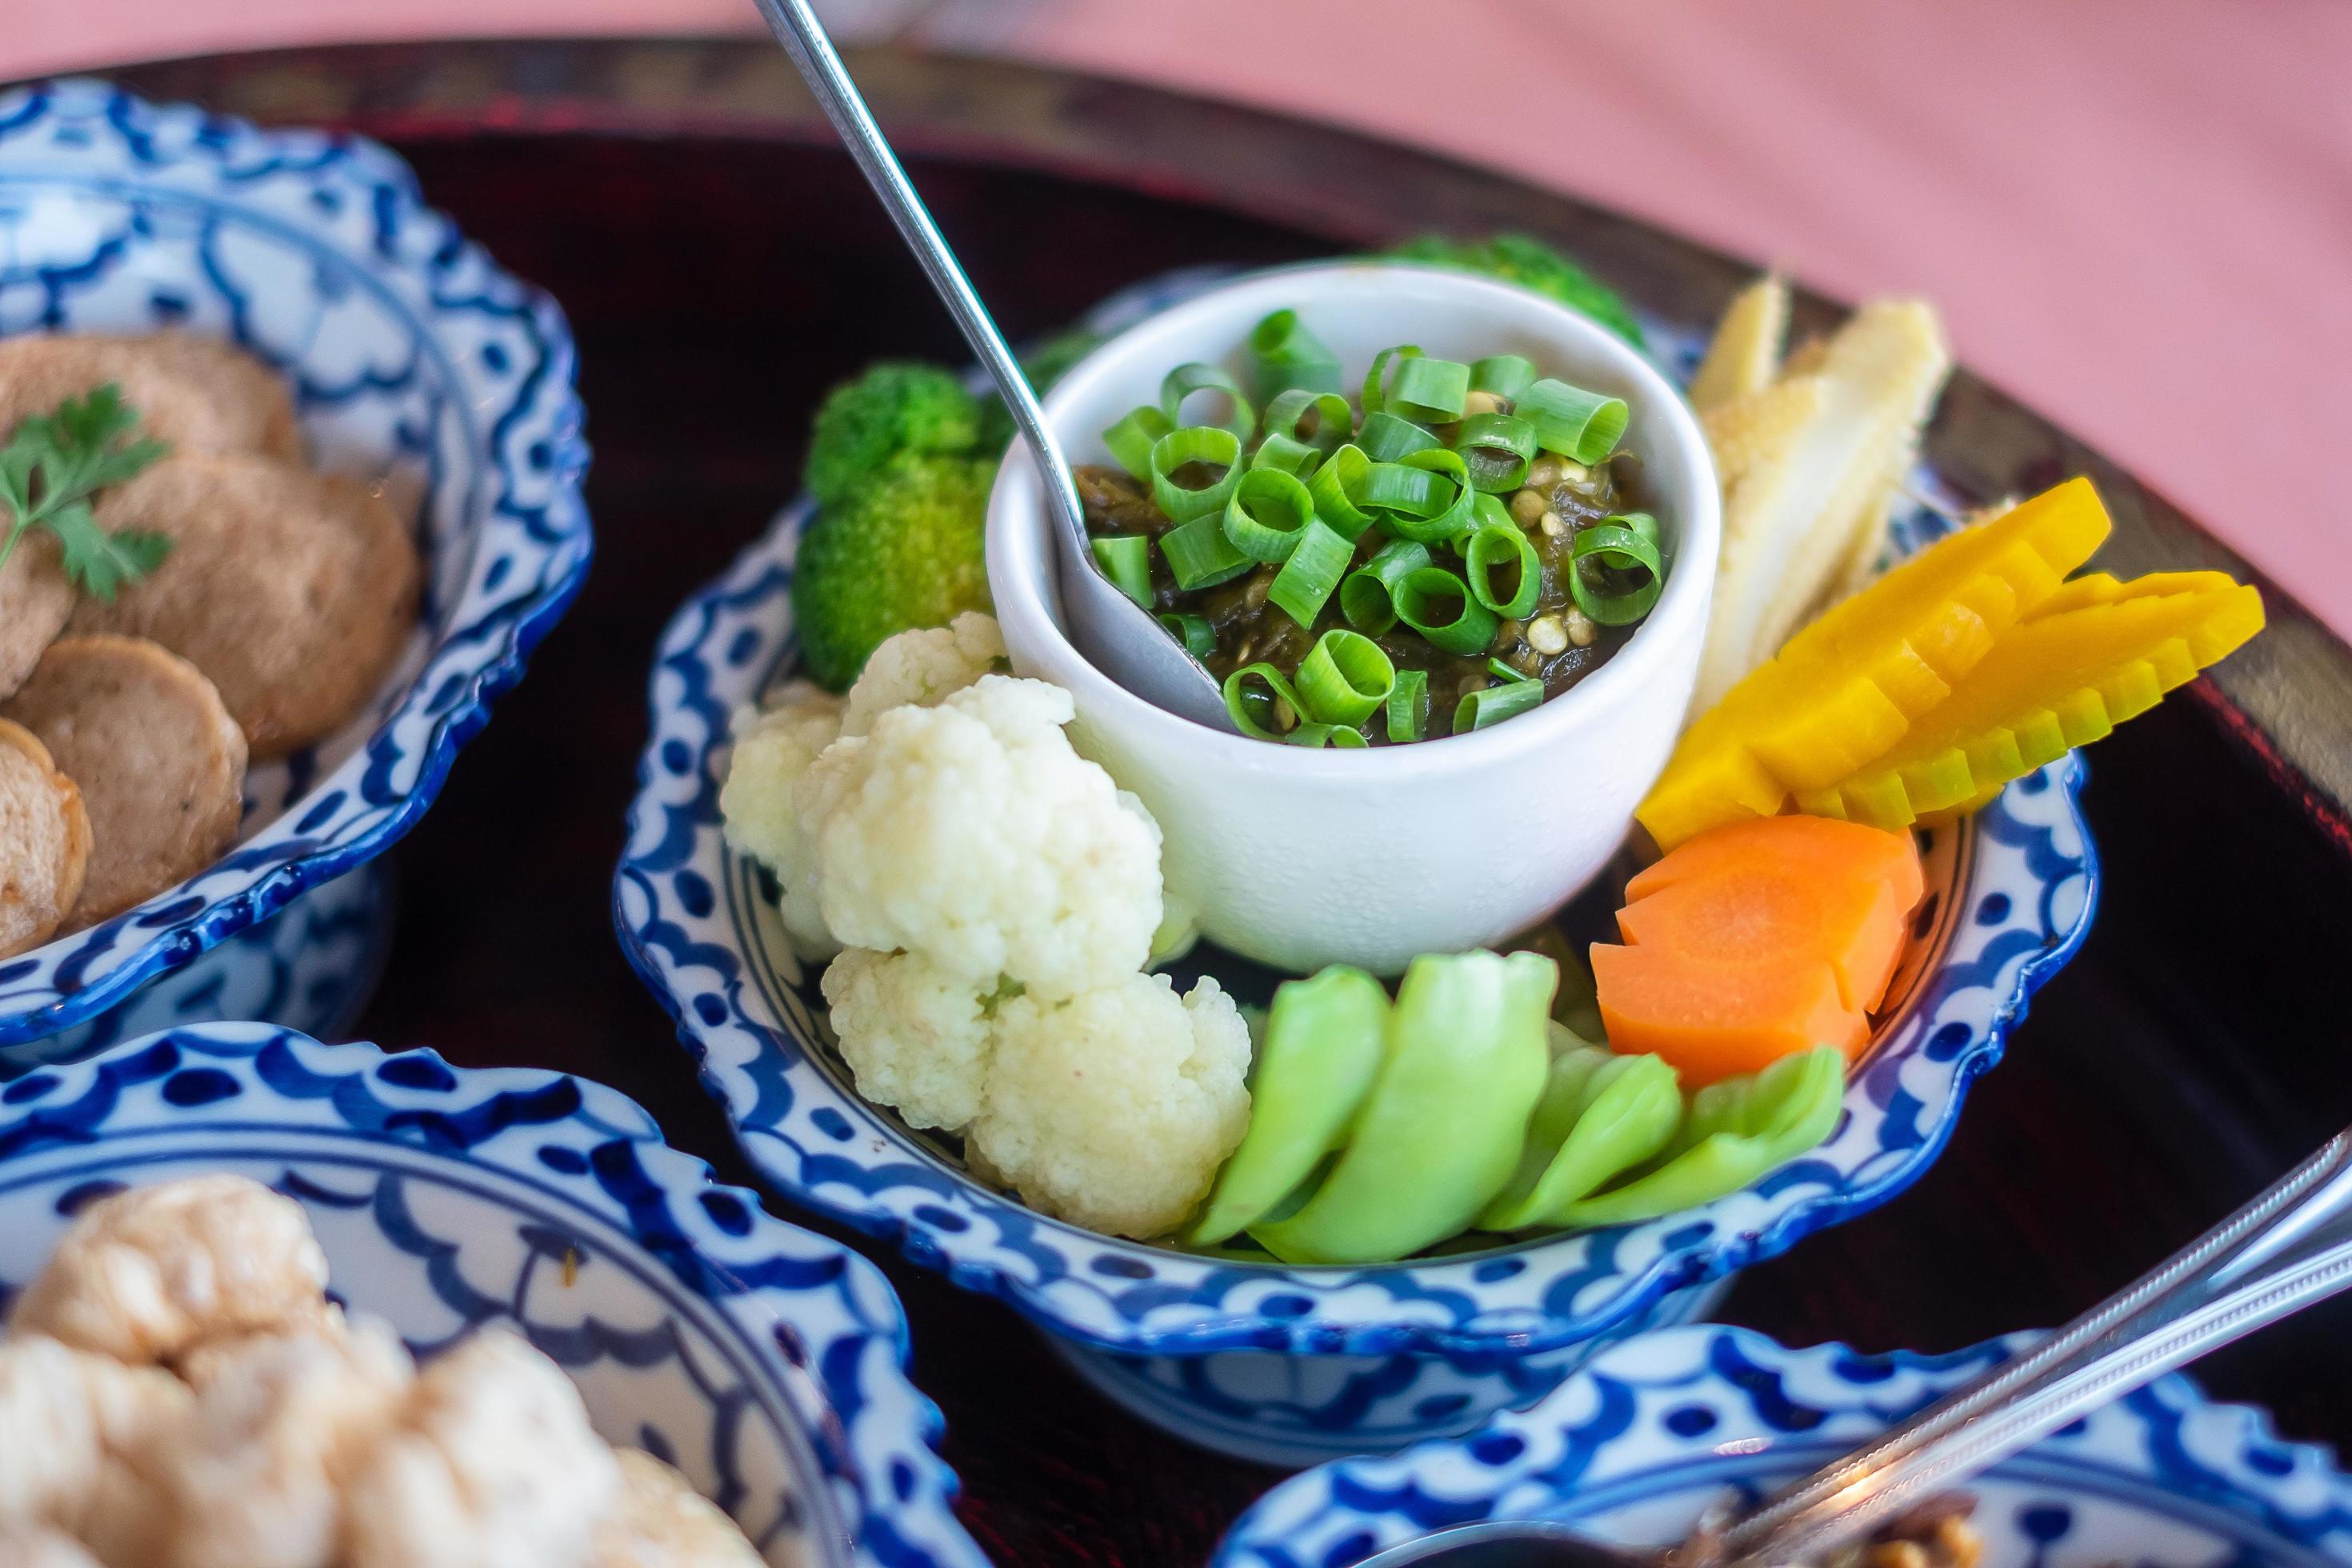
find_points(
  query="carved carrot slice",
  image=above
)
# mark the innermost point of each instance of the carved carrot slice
(1844, 690)
(1755, 941)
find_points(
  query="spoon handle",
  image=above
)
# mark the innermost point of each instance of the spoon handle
(2289, 1247)
(803, 36)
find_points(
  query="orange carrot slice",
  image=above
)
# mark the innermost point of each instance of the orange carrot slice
(1756, 939)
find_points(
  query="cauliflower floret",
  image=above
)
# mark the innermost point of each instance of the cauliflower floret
(1114, 1108)
(774, 746)
(146, 1274)
(492, 1465)
(914, 1036)
(661, 1521)
(65, 1417)
(772, 749)
(973, 833)
(33, 1547)
(252, 1475)
(923, 668)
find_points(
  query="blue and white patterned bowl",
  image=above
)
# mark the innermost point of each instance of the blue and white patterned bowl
(411, 356)
(1636, 1445)
(766, 1362)
(1283, 1365)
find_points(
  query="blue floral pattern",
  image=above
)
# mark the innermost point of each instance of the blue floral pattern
(1637, 1443)
(765, 1362)
(411, 357)
(2010, 898)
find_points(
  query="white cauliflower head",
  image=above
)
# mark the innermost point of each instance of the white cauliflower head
(65, 1415)
(775, 744)
(660, 1522)
(252, 1476)
(923, 668)
(146, 1274)
(772, 749)
(491, 1463)
(1113, 1108)
(914, 1036)
(973, 833)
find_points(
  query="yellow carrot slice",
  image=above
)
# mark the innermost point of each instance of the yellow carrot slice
(1844, 690)
(2058, 680)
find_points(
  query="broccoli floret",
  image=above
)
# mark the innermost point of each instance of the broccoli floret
(900, 548)
(1532, 265)
(894, 406)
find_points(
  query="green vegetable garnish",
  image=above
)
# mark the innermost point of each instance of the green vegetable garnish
(1126, 560)
(1285, 355)
(1502, 545)
(1368, 597)
(51, 468)
(1208, 444)
(1436, 603)
(1345, 679)
(1306, 579)
(1478, 709)
(1533, 265)
(1579, 425)
(1408, 706)
(1610, 549)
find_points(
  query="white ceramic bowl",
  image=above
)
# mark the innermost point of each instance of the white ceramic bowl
(1302, 858)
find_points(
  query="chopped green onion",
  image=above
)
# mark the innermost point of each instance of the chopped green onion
(1501, 671)
(1457, 512)
(1613, 546)
(1408, 705)
(1374, 396)
(1284, 355)
(1492, 546)
(1345, 679)
(1268, 512)
(1194, 444)
(1641, 522)
(1438, 605)
(1385, 488)
(1431, 389)
(1499, 447)
(1126, 560)
(1334, 420)
(1577, 424)
(1386, 437)
(1290, 454)
(1130, 439)
(1199, 556)
(1310, 574)
(1187, 379)
(1339, 737)
(1199, 637)
(1504, 375)
(1256, 713)
(1330, 487)
(1479, 710)
(1368, 596)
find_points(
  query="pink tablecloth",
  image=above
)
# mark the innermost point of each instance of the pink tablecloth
(2138, 214)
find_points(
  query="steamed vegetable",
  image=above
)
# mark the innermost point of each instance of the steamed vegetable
(1757, 940)
(1533, 265)
(901, 549)
(1602, 1114)
(1439, 1134)
(2095, 653)
(1844, 690)
(893, 407)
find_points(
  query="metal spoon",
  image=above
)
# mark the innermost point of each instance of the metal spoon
(2289, 1247)
(1117, 636)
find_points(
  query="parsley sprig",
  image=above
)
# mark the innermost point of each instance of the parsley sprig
(54, 463)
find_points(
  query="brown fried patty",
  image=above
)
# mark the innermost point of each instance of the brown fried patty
(35, 600)
(159, 763)
(43, 842)
(293, 591)
(198, 394)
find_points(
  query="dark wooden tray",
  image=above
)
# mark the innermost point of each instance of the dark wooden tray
(722, 264)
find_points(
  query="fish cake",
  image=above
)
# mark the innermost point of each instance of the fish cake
(200, 394)
(159, 760)
(293, 591)
(36, 598)
(43, 842)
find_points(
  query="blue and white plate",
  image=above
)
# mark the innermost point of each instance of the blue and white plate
(765, 1363)
(411, 357)
(1639, 1443)
(1284, 1364)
